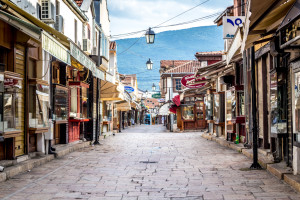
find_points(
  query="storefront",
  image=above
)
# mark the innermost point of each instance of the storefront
(193, 113)
(16, 39)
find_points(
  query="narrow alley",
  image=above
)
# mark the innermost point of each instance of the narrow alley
(146, 162)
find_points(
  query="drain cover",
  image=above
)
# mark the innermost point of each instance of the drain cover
(147, 162)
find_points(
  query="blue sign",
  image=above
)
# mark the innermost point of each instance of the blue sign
(129, 89)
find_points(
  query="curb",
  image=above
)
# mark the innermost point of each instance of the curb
(275, 169)
(24, 166)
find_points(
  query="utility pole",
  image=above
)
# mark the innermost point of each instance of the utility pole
(255, 164)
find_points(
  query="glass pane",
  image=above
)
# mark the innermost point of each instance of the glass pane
(297, 102)
(228, 105)
(241, 103)
(233, 105)
(60, 104)
(273, 99)
(38, 109)
(216, 106)
(84, 99)
(188, 113)
(74, 98)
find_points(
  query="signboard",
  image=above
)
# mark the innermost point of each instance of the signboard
(189, 81)
(156, 96)
(56, 49)
(161, 100)
(129, 89)
(230, 24)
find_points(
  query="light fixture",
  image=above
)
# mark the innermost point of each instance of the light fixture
(146, 93)
(150, 36)
(149, 64)
(153, 87)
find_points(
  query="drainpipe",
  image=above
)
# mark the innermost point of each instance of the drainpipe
(255, 164)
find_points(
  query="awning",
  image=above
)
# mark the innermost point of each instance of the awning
(176, 100)
(210, 67)
(123, 106)
(263, 17)
(85, 60)
(292, 15)
(52, 46)
(173, 108)
(110, 91)
(61, 37)
(27, 28)
(164, 110)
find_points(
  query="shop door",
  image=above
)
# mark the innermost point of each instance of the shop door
(200, 115)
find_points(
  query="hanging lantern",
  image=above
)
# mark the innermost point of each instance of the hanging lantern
(149, 64)
(150, 36)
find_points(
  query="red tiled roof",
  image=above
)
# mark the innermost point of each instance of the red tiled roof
(188, 67)
(209, 53)
(78, 2)
(112, 45)
(171, 63)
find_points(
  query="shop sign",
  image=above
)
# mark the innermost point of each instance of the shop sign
(230, 25)
(53, 47)
(189, 81)
(10, 82)
(290, 32)
(129, 89)
(161, 100)
(156, 96)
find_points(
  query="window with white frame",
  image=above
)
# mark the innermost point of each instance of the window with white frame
(104, 46)
(46, 9)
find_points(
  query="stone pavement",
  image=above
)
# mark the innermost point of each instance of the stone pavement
(145, 162)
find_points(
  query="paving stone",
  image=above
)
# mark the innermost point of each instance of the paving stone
(187, 166)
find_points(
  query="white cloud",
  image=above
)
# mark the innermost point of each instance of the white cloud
(134, 15)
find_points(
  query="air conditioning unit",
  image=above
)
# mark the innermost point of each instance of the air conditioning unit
(86, 45)
(95, 50)
(47, 12)
(59, 25)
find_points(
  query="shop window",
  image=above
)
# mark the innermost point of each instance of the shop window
(11, 105)
(188, 112)
(39, 105)
(219, 102)
(241, 105)
(84, 103)
(209, 106)
(297, 107)
(60, 96)
(278, 102)
(74, 106)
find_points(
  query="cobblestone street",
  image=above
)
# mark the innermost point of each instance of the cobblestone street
(145, 162)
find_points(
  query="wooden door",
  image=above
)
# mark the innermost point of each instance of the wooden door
(200, 115)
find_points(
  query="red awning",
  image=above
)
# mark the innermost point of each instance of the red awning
(176, 100)
(173, 108)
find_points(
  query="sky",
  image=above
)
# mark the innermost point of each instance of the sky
(135, 15)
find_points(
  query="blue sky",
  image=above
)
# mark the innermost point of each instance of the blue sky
(132, 15)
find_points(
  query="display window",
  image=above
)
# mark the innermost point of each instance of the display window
(278, 104)
(60, 95)
(219, 102)
(200, 110)
(241, 105)
(188, 112)
(84, 103)
(209, 106)
(11, 103)
(296, 109)
(39, 104)
(78, 100)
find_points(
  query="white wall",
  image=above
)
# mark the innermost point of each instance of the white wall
(69, 24)
(169, 84)
(104, 18)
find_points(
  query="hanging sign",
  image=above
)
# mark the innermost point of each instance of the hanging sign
(156, 96)
(129, 89)
(189, 81)
(230, 24)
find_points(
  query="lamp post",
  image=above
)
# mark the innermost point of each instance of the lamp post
(150, 36)
(153, 87)
(149, 64)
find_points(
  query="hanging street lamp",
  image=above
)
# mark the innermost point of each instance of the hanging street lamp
(150, 36)
(153, 87)
(149, 64)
